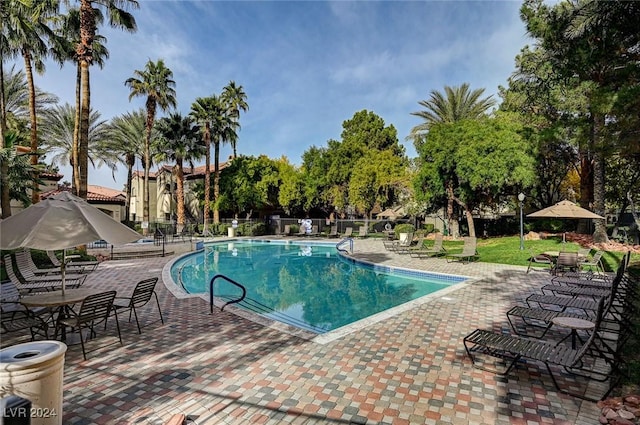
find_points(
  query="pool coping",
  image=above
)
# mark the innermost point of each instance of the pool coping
(335, 334)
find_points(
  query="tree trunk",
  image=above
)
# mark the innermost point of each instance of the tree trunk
(180, 196)
(5, 195)
(450, 199)
(207, 177)
(131, 160)
(600, 234)
(586, 184)
(151, 112)
(83, 142)
(75, 150)
(35, 188)
(216, 180)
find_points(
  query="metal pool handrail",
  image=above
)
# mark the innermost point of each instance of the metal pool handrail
(221, 276)
(343, 241)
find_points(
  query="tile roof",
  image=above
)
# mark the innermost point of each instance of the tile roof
(94, 193)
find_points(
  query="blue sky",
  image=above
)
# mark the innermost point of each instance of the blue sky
(306, 66)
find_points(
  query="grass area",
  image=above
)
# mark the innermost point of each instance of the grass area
(506, 250)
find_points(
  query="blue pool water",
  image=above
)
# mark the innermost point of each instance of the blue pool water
(307, 285)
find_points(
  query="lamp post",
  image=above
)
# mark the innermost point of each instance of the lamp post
(521, 199)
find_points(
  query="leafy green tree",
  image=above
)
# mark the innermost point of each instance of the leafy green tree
(155, 83)
(595, 42)
(291, 190)
(249, 184)
(178, 141)
(126, 135)
(378, 175)
(204, 111)
(118, 17)
(456, 104)
(474, 162)
(20, 170)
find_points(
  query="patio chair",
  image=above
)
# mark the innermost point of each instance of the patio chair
(39, 283)
(566, 261)
(468, 253)
(333, 233)
(71, 280)
(287, 230)
(540, 259)
(142, 293)
(595, 261)
(512, 348)
(542, 318)
(436, 250)
(347, 232)
(362, 232)
(94, 310)
(15, 317)
(25, 261)
(401, 244)
(73, 266)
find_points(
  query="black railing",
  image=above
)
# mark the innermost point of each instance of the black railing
(221, 276)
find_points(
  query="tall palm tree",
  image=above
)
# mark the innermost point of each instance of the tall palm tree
(16, 116)
(118, 17)
(456, 104)
(156, 84)
(223, 129)
(127, 135)
(58, 132)
(28, 33)
(204, 111)
(236, 99)
(178, 141)
(69, 30)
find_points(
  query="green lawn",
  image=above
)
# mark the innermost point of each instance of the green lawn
(506, 250)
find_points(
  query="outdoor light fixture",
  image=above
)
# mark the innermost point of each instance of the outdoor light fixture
(521, 199)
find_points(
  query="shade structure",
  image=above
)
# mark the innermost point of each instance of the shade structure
(391, 213)
(564, 209)
(60, 222)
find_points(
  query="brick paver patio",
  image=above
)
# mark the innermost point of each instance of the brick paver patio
(406, 368)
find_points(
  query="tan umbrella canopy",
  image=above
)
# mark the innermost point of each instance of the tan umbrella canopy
(391, 213)
(60, 222)
(564, 209)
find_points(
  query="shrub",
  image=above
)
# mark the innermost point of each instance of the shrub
(429, 228)
(404, 228)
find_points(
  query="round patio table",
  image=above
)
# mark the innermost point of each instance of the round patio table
(56, 299)
(575, 324)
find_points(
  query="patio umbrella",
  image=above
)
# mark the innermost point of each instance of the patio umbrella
(564, 209)
(60, 222)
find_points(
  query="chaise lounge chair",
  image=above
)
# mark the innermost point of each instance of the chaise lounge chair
(512, 348)
(348, 232)
(468, 253)
(436, 250)
(73, 266)
(26, 284)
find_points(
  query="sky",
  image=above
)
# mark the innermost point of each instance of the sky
(306, 66)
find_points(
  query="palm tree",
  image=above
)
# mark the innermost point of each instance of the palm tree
(16, 115)
(118, 18)
(236, 99)
(127, 135)
(58, 137)
(457, 104)
(69, 30)
(156, 83)
(223, 129)
(204, 111)
(28, 33)
(178, 141)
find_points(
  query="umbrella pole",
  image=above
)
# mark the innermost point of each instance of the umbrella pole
(63, 267)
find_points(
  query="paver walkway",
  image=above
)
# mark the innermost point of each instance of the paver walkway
(409, 368)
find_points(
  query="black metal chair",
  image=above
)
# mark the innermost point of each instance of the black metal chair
(94, 310)
(144, 290)
(14, 317)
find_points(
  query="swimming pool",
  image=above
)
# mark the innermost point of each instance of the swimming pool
(307, 285)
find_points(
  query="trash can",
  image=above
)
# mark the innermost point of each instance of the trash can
(231, 232)
(34, 371)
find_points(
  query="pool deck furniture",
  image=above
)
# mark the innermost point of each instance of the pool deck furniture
(224, 368)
